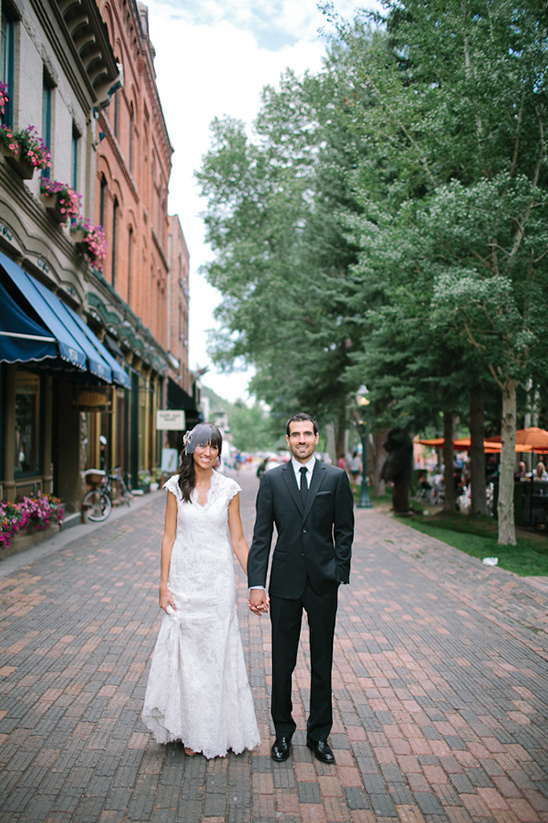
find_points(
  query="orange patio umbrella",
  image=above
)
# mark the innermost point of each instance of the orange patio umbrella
(531, 439)
(491, 446)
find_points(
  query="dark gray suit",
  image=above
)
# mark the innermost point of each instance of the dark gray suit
(311, 557)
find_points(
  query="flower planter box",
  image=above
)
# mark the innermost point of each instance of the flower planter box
(54, 210)
(29, 537)
(24, 169)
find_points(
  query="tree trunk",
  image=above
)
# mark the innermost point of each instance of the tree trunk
(478, 499)
(505, 508)
(340, 431)
(450, 498)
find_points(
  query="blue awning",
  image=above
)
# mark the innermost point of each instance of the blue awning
(21, 338)
(67, 335)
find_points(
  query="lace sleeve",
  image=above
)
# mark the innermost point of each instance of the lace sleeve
(172, 485)
(232, 488)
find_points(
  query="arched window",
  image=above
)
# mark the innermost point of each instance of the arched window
(102, 199)
(129, 248)
(113, 242)
(116, 111)
(130, 159)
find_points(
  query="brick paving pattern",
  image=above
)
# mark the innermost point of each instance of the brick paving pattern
(440, 686)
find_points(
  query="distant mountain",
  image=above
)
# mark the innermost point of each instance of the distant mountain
(216, 402)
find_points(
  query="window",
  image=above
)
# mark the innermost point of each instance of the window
(129, 245)
(102, 198)
(47, 98)
(114, 218)
(131, 138)
(116, 111)
(75, 153)
(7, 63)
(27, 417)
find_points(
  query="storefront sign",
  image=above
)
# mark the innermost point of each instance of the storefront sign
(92, 399)
(170, 420)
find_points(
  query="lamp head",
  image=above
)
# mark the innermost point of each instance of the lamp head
(362, 396)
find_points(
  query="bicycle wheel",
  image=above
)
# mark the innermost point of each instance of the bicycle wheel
(98, 505)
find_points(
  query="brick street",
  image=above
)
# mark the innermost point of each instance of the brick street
(440, 689)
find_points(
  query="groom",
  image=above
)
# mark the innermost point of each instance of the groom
(312, 507)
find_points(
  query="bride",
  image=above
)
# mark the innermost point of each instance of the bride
(197, 690)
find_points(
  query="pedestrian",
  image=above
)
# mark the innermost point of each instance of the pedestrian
(312, 507)
(355, 468)
(197, 690)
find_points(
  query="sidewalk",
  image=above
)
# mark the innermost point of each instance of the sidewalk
(440, 685)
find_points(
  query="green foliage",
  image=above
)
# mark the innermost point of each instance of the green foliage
(386, 223)
(251, 428)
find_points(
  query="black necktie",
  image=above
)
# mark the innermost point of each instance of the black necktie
(304, 484)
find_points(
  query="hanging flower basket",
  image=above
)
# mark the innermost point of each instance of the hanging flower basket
(90, 241)
(60, 199)
(24, 150)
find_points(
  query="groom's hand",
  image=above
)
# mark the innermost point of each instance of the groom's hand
(258, 601)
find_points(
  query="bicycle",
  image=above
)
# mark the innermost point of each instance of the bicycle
(98, 501)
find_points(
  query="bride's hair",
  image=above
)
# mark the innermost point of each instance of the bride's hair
(201, 435)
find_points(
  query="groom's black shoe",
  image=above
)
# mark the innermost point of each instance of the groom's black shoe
(281, 749)
(321, 750)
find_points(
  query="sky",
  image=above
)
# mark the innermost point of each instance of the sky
(213, 58)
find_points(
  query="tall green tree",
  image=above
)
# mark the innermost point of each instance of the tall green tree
(457, 134)
(281, 257)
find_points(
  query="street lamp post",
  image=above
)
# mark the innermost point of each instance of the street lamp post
(363, 401)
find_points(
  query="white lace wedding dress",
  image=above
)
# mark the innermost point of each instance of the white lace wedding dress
(197, 690)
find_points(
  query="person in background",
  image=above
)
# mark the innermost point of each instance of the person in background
(355, 465)
(540, 471)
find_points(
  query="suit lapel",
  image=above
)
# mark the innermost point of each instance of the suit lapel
(291, 483)
(318, 476)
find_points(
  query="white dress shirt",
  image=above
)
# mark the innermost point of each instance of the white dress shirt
(309, 469)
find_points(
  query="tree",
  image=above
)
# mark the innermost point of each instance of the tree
(251, 428)
(281, 258)
(457, 134)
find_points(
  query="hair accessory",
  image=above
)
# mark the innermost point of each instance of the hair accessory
(201, 435)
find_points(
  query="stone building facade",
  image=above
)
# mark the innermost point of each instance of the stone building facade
(86, 364)
(57, 67)
(133, 299)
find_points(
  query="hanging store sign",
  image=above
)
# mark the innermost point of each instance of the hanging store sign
(170, 420)
(92, 399)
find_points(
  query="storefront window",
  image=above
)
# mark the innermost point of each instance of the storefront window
(27, 423)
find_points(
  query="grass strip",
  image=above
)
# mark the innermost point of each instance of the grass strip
(477, 536)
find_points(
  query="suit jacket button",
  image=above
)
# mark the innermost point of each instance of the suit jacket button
(304, 531)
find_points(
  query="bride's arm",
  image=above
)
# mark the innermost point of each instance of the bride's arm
(239, 543)
(168, 539)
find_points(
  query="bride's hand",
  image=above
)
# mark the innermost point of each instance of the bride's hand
(166, 599)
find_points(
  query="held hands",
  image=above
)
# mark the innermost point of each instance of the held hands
(258, 601)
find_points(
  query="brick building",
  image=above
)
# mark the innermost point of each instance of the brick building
(135, 299)
(57, 68)
(90, 349)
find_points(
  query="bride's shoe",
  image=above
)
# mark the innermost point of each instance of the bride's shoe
(190, 752)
